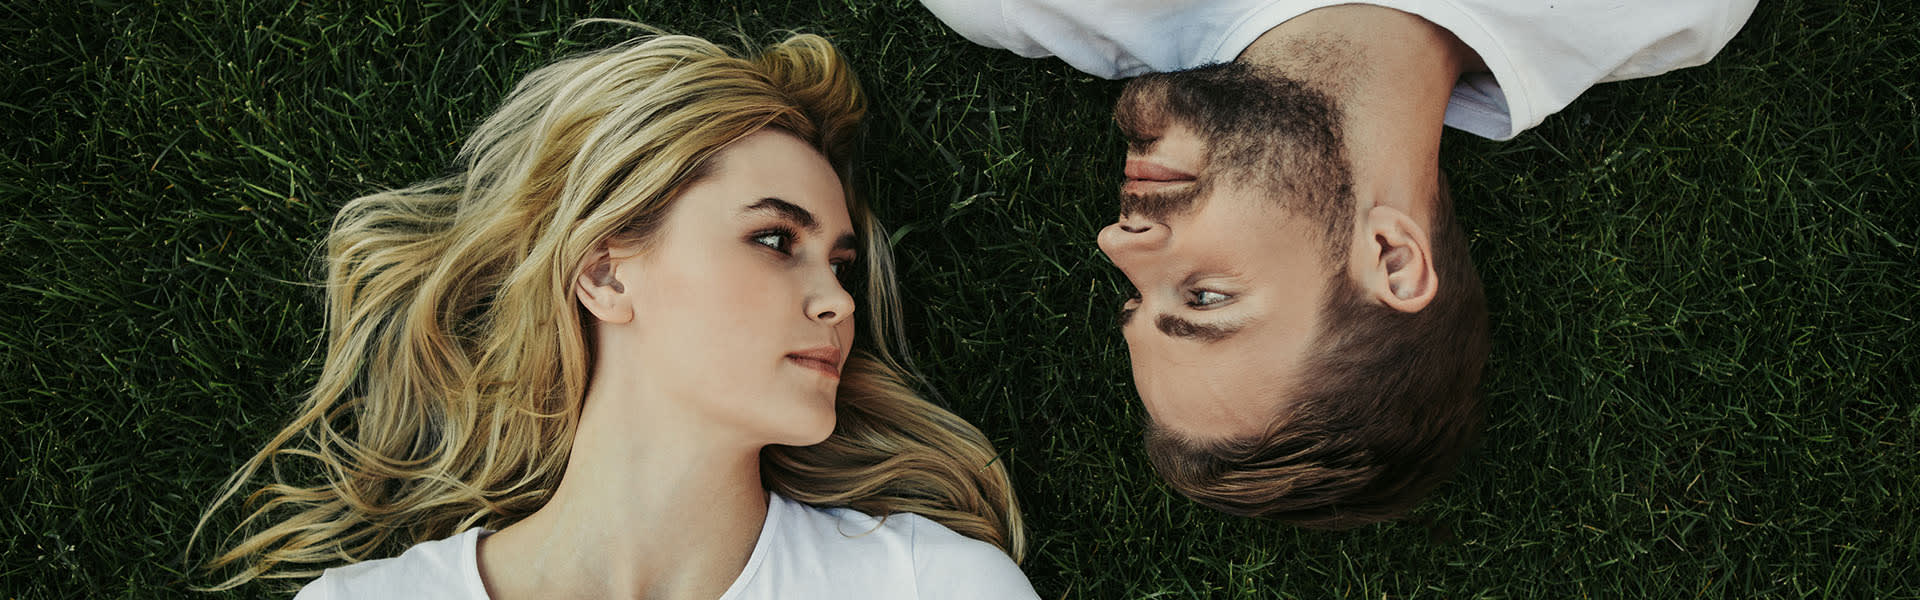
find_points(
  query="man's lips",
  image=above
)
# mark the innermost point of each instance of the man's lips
(825, 359)
(1141, 170)
(1145, 186)
(1145, 177)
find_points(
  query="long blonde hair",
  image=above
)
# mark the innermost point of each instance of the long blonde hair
(456, 358)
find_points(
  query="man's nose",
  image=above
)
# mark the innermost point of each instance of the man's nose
(1131, 237)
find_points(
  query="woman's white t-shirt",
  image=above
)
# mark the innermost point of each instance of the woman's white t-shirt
(1542, 53)
(803, 552)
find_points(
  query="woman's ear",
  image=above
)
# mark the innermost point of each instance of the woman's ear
(600, 289)
(1398, 268)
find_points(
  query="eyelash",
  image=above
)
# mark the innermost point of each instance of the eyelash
(787, 234)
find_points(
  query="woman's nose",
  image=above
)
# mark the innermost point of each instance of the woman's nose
(829, 303)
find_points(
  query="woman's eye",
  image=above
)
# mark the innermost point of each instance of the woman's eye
(1207, 298)
(772, 239)
(844, 271)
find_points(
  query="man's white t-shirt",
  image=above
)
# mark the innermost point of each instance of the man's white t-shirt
(803, 553)
(1542, 53)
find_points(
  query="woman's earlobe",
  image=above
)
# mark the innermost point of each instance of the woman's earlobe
(600, 290)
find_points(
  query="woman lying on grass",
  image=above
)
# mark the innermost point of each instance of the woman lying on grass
(616, 357)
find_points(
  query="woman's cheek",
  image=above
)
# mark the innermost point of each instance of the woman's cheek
(753, 286)
(846, 330)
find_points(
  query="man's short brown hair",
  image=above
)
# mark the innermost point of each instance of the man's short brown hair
(1386, 406)
(1386, 402)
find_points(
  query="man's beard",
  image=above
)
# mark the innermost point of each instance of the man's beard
(1162, 204)
(1263, 131)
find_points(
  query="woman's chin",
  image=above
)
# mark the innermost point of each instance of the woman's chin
(806, 429)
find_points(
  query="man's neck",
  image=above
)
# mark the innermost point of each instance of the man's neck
(646, 508)
(1391, 74)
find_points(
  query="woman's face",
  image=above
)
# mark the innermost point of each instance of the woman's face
(738, 314)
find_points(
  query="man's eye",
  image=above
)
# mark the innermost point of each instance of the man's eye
(1206, 298)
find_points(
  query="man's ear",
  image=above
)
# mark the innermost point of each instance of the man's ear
(600, 289)
(1398, 267)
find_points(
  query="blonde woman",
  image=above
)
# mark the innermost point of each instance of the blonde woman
(616, 356)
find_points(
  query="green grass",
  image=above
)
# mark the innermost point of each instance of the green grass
(1703, 290)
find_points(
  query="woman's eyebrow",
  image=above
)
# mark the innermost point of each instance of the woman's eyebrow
(800, 216)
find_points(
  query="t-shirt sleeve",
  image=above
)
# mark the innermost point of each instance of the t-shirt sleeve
(318, 589)
(1544, 55)
(1039, 32)
(948, 565)
(441, 569)
(980, 21)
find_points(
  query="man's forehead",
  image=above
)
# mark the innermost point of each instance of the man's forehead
(1215, 390)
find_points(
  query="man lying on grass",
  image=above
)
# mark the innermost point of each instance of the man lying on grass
(1309, 330)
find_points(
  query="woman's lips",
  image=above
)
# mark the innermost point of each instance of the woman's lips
(824, 360)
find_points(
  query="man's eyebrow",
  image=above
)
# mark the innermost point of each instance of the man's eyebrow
(787, 209)
(847, 242)
(1181, 328)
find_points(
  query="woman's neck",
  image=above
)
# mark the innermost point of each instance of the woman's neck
(651, 507)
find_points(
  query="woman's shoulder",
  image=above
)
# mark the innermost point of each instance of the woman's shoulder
(947, 564)
(935, 561)
(446, 568)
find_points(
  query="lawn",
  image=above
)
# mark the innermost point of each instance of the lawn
(1702, 285)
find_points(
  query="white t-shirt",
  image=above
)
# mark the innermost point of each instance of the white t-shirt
(803, 553)
(1542, 53)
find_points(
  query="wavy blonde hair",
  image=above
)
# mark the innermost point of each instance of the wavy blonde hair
(456, 356)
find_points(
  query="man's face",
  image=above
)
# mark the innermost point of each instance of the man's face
(1229, 290)
(1230, 278)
